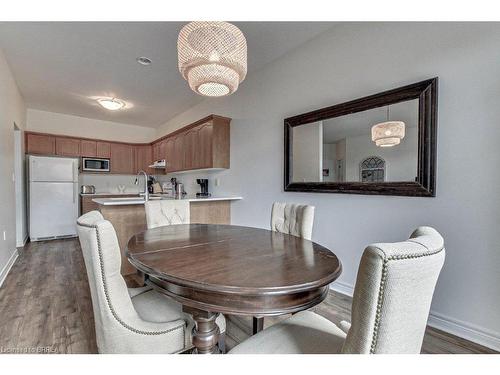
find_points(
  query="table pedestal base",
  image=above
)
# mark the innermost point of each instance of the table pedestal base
(206, 332)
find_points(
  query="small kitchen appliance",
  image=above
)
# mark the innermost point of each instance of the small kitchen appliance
(203, 182)
(88, 189)
(95, 165)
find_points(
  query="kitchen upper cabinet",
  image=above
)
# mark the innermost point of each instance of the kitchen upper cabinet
(159, 150)
(122, 158)
(169, 153)
(205, 137)
(179, 149)
(191, 150)
(68, 147)
(88, 148)
(200, 146)
(103, 150)
(143, 158)
(40, 144)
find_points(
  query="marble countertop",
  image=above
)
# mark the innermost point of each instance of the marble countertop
(123, 201)
(100, 194)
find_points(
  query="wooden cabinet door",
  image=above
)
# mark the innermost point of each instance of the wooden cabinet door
(161, 149)
(205, 152)
(156, 151)
(191, 149)
(88, 148)
(169, 153)
(67, 146)
(122, 158)
(103, 150)
(143, 158)
(40, 144)
(178, 160)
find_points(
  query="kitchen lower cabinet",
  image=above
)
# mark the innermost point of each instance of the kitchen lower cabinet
(87, 205)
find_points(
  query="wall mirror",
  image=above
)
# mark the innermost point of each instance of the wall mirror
(380, 144)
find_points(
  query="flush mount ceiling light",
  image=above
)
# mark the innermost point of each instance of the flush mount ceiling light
(389, 133)
(111, 104)
(212, 57)
(144, 60)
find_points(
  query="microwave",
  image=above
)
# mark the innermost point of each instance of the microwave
(95, 165)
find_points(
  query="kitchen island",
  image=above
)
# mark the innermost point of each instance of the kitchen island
(128, 216)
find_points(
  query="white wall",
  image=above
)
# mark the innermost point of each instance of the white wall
(58, 123)
(330, 161)
(307, 155)
(400, 160)
(354, 60)
(12, 110)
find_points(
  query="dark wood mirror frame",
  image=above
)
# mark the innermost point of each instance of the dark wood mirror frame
(425, 184)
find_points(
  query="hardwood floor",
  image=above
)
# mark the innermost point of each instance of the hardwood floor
(45, 307)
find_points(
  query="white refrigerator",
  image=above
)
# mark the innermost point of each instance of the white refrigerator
(53, 197)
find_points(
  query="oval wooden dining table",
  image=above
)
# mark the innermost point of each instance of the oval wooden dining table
(212, 269)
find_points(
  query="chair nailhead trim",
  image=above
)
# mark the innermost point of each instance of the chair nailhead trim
(381, 290)
(106, 293)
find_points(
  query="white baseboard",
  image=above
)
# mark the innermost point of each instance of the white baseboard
(342, 288)
(444, 323)
(24, 241)
(465, 330)
(8, 266)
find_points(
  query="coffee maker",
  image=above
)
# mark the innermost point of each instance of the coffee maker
(203, 182)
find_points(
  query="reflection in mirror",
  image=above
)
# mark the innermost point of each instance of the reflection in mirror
(376, 145)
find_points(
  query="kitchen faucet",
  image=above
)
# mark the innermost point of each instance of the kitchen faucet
(146, 191)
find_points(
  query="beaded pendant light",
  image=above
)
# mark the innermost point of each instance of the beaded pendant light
(388, 133)
(212, 57)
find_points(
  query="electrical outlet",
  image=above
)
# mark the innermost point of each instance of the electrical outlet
(5, 235)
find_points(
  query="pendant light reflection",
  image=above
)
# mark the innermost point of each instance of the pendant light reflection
(388, 133)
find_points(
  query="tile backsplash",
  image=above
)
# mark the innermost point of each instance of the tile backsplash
(109, 183)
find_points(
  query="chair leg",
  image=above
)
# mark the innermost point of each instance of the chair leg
(222, 343)
(258, 325)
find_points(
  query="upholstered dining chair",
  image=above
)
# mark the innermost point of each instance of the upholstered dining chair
(128, 320)
(391, 303)
(289, 218)
(296, 219)
(166, 212)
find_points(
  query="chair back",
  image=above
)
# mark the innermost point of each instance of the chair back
(110, 298)
(296, 219)
(166, 212)
(393, 294)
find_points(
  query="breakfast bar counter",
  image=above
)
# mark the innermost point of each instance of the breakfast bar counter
(128, 216)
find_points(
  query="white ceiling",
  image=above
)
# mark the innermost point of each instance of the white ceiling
(361, 123)
(60, 67)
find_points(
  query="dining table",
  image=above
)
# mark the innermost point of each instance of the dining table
(212, 269)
